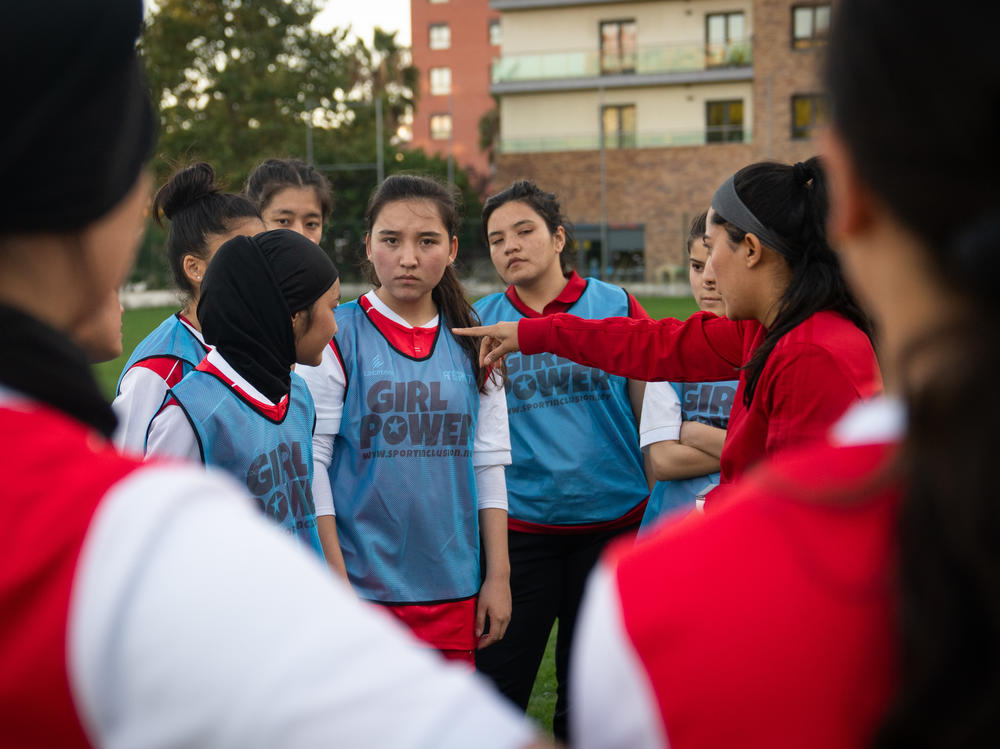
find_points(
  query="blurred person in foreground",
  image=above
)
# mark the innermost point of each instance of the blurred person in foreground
(150, 605)
(847, 594)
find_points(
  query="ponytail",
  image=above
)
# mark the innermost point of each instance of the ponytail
(791, 201)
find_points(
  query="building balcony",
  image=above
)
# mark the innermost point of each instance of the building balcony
(706, 136)
(690, 62)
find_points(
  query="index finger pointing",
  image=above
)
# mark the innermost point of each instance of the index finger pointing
(482, 330)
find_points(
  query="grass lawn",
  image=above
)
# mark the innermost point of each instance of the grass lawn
(138, 323)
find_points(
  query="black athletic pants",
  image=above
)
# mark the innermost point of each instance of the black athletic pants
(547, 578)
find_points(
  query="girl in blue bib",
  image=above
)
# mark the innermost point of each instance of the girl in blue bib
(411, 435)
(267, 302)
(577, 477)
(201, 217)
(683, 424)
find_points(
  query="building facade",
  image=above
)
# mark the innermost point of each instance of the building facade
(454, 44)
(634, 112)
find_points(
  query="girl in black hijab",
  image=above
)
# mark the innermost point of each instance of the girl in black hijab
(267, 303)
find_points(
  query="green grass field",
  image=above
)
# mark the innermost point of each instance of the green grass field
(138, 323)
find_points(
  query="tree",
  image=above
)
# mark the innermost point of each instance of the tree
(237, 81)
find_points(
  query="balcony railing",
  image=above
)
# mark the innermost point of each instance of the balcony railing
(614, 141)
(586, 63)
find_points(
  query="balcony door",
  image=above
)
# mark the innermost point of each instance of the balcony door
(618, 48)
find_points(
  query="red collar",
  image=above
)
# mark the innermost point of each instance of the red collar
(417, 343)
(570, 295)
(275, 413)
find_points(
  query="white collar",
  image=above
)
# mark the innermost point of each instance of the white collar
(215, 359)
(879, 420)
(383, 309)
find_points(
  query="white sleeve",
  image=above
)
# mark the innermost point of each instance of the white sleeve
(492, 442)
(321, 489)
(614, 705)
(172, 436)
(327, 385)
(491, 487)
(661, 414)
(195, 622)
(139, 398)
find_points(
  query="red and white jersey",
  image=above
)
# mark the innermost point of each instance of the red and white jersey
(142, 390)
(328, 385)
(768, 623)
(151, 605)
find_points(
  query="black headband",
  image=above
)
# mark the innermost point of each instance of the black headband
(727, 204)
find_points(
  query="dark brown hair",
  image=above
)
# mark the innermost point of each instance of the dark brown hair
(196, 206)
(792, 202)
(449, 294)
(273, 175)
(938, 180)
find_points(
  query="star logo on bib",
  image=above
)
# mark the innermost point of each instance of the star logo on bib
(395, 425)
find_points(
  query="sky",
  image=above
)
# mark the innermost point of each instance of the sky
(365, 15)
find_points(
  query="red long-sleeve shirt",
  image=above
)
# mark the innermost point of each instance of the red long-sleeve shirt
(812, 375)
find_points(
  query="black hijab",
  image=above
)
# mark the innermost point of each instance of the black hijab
(251, 289)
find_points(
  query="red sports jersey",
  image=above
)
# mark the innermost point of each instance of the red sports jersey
(813, 374)
(770, 623)
(41, 539)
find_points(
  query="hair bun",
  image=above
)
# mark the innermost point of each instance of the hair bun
(185, 188)
(802, 173)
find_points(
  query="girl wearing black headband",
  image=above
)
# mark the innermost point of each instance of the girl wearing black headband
(267, 303)
(201, 217)
(792, 332)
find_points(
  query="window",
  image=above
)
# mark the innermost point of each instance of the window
(810, 25)
(440, 127)
(808, 112)
(725, 39)
(618, 50)
(724, 121)
(440, 81)
(440, 36)
(618, 126)
(437, 2)
(495, 36)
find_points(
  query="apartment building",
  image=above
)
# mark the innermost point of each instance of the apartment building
(454, 44)
(634, 112)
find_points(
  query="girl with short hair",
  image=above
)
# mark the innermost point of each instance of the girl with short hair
(291, 194)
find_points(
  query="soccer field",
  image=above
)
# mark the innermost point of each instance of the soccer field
(138, 323)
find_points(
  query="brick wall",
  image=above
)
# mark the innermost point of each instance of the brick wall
(663, 188)
(469, 57)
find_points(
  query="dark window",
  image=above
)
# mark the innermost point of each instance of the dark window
(724, 121)
(808, 112)
(810, 25)
(725, 39)
(618, 126)
(439, 36)
(618, 50)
